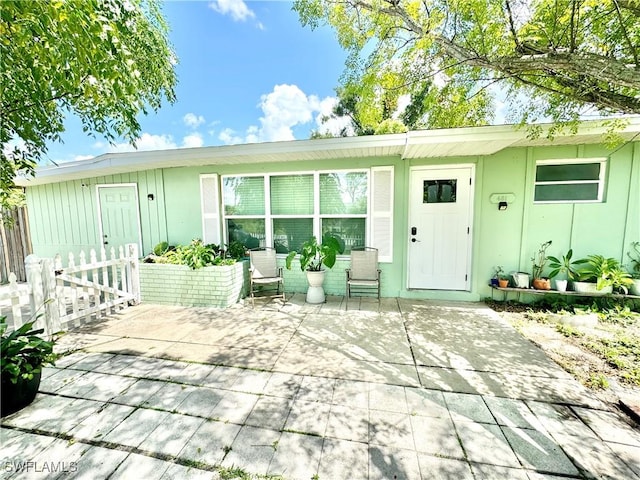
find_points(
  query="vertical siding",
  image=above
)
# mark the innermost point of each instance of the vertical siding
(64, 216)
(632, 231)
(510, 238)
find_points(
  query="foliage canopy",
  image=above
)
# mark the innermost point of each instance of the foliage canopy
(554, 59)
(104, 60)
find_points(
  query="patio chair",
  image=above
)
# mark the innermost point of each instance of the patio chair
(265, 271)
(363, 273)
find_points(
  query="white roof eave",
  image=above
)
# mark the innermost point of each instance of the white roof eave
(453, 142)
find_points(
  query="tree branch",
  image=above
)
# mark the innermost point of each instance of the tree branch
(625, 33)
(632, 5)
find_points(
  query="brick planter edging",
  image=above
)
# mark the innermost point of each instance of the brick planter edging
(216, 286)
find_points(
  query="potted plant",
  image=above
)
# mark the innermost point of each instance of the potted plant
(634, 256)
(539, 261)
(313, 257)
(602, 275)
(497, 271)
(566, 267)
(23, 353)
(501, 279)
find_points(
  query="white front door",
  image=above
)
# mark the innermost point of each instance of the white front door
(440, 201)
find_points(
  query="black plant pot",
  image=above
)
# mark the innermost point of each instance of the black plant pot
(16, 396)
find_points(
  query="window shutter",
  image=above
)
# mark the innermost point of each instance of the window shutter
(382, 212)
(210, 204)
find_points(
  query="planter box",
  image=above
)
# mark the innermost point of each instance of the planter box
(217, 286)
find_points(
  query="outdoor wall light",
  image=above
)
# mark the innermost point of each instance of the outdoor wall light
(502, 206)
(150, 196)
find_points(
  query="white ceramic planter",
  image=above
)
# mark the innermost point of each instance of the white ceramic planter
(520, 279)
(561, 285)
(315, 293)
(590, 288)
(635, 288)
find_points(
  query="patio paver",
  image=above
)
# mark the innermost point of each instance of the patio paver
(411, 389)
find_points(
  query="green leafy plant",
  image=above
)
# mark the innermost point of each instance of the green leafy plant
(634, 256)
(605, 272)
(540, 259)
(498, 273)
(161, 248)
(314, 254)
(237, 250)
(565, 266)
(195, 255)
(24, 352)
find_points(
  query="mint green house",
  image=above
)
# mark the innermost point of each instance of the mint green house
(444, 207)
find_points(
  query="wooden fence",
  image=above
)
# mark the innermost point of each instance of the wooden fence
(61, 297)
(15, 243)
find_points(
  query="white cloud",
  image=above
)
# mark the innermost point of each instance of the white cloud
(284, 108)
(145, 142)
(148, 141)
(229, 137)
(237, 9)
(328, 124)
(12, 145)
(192, 120)
(193, 140)
(403, 103)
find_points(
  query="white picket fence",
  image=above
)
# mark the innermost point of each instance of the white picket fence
(60, 297)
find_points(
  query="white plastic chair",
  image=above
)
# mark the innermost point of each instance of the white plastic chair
(265, 271)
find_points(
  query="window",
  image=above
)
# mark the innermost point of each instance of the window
(285, 210)
(244, 210)
(343, 207)
(439, 191)
(576, 181)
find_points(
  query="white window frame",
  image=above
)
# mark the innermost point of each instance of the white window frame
(316, 215)
(567, 161)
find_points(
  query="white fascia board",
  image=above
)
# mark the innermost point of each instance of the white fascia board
(115, 163)
(406, 145)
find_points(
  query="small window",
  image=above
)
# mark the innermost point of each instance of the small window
(575, 181)
(439, 191)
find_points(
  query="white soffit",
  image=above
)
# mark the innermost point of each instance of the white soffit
(460, 142)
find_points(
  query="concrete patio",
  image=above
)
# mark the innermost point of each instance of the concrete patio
(402, 389)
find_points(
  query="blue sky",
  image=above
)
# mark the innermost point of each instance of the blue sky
(247, 72)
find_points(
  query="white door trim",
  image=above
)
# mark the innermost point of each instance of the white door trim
(110, 185)
(410, 211)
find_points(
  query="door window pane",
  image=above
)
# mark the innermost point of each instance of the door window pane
(249, 231)
(243, 195)
(350, 232)
(439, 191)
(290, 233)
(343, 193)
(292, 195)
